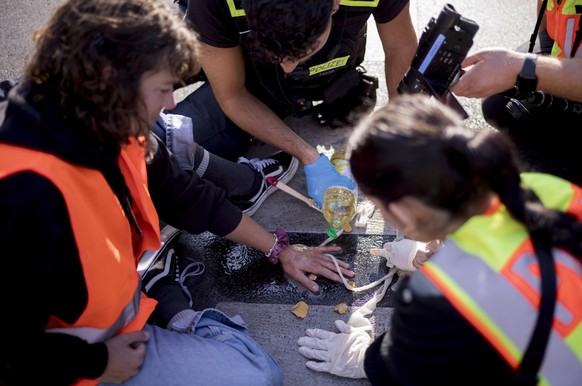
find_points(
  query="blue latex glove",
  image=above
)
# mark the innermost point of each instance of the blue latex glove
(321, 175)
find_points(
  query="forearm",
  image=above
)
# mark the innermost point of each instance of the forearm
(560, 77)
(396, 63)
(254, 117)
(399, 42)
(395, 66)
(225, 68)
(250, 233)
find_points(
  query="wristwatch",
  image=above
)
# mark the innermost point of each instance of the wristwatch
(527, 80)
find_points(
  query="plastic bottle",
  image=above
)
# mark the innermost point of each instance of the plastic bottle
(339, 203)
(339, 206)
(341, 163)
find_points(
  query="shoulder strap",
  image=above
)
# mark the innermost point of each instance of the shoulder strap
(534, 35)
(527, 374)
(578, 38)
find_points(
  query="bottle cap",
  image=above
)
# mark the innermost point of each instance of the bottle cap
(331, 233)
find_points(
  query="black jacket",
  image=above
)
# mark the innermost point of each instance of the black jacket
(430, 343)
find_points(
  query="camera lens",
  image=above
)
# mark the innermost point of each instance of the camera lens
(517, 109)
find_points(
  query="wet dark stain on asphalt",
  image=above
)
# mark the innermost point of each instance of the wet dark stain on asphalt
(237, 273)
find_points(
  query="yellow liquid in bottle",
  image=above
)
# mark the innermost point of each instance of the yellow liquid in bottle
(339, 206)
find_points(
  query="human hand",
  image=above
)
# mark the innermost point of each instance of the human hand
(487, 72)
(400, 254)
(299, 260)
(336, 353)
(430, 249)
(126, 355)
(407, 254)
(321, 175)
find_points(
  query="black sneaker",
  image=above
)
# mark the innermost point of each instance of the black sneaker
(149, 258)
(280, 165)
(5, 87)
(164, 267)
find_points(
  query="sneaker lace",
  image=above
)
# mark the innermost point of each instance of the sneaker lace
(256, 163)
(195, 268)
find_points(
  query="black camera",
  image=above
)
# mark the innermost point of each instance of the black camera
(443, 45)
(521, 106)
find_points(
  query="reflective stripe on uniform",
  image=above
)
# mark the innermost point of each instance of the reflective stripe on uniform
(497, 308)
(360, 3)
(489, 272)
(329, 65)
(237, 11)
(234, 11)
(94, 335)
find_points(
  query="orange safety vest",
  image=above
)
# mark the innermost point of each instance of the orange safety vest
(488, 270)
(564, 27)
(103, 236)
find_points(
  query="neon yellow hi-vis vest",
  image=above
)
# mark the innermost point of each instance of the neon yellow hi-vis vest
(564, 25)
(488, 271)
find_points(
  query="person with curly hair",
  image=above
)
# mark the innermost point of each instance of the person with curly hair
(267, 59)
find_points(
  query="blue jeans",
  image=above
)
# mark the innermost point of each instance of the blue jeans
(211, 349)
(213, 130)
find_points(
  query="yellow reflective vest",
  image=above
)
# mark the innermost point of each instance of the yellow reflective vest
(488, 271)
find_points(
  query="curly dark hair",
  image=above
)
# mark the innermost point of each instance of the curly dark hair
(285, 29)
(92, 54)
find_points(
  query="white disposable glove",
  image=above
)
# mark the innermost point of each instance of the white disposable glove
(336, 353)
(342, 353)
(400, 254)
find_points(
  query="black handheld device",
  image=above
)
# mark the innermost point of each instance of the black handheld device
(443, 45)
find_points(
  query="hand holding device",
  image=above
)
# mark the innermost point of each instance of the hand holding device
(443, 45)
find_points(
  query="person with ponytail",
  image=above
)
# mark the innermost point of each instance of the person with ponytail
(497, 303)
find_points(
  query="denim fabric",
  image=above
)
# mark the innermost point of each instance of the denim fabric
(214, 131)
(177, 133)
(213, 349)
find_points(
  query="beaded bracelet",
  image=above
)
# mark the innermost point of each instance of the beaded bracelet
(281, 242)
